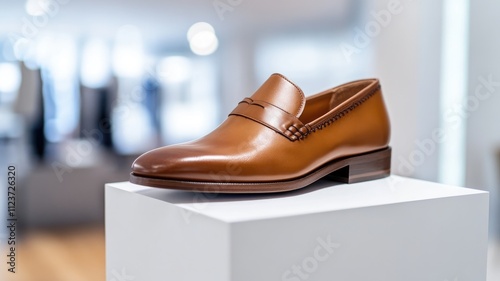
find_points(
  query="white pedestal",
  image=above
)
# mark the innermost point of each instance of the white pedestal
(391, 229)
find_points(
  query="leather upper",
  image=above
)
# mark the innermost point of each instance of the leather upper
(278, 134)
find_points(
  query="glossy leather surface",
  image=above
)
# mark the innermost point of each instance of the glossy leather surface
(277, 134)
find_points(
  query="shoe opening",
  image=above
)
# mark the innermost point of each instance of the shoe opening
(318, 105)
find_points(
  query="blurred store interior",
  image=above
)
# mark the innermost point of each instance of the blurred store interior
(87, 86)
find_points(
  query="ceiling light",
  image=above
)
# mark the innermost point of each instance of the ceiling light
(199, 27)
(202, 39)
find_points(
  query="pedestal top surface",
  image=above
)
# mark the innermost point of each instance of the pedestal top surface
(322, 196)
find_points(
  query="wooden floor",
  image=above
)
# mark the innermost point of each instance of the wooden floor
(60, 255)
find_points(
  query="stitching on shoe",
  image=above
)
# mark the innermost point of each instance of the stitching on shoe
(298, 133)
(344, 112)
(288, 132)
(286, 129)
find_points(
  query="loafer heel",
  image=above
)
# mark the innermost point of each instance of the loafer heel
(369, 166)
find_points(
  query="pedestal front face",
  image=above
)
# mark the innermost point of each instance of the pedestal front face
(389, 230)
(149, 239)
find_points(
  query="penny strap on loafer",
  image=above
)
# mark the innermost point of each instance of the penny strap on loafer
(272, 117)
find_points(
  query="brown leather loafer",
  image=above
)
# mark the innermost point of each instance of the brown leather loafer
(277, 140)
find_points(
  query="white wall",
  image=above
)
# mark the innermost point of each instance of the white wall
(236, 59)
(407, 53)
(483, 130)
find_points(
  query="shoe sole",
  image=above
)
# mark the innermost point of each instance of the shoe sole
(363, 167)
